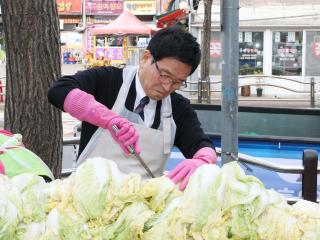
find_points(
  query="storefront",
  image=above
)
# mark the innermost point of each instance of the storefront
(70, 12)
(274, 46)
(100, 13)
(71, 47)
(117, 50)
(119, 42)
(110, 48)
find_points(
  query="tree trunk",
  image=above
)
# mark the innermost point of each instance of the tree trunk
(32, 40)
(205, 49)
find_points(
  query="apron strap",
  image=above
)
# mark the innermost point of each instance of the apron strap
(166, 115)
(127, 76)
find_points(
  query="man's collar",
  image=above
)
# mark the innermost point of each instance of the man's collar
(140, 92)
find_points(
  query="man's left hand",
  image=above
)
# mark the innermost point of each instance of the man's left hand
(184, 170)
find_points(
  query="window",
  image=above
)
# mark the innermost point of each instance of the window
(115, 41)
(313, 54)
(132, 41)
(250, 53)
(100, 42)
(287, 53)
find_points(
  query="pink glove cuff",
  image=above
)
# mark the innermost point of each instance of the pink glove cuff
(206, 154)
(76, 103)
(84, 107)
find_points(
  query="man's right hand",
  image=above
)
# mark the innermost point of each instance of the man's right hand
(84, 107)
(127, 134)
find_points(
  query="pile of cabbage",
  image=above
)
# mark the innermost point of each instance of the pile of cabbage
(99, 202)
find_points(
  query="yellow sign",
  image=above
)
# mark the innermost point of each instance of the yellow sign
(147, 7)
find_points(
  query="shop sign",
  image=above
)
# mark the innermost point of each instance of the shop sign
(69, 6)
(104, 7)
(248, 53)
(215, 48)
(146, 7)
(287, 54)
(114, 53)
(315, 49)
(100, 53)
(143, 42)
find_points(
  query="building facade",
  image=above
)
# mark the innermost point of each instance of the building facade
(279, 46)
(79, 17)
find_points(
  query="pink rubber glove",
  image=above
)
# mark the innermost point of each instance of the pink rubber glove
(2, 168)
(84, 107)
(184, 170)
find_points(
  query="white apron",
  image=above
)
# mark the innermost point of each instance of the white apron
(155, 144)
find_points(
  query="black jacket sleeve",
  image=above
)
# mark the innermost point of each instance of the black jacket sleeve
(189, 134)
(102, 82)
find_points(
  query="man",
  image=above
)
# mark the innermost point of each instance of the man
(138, 107)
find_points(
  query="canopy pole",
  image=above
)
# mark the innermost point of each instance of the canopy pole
(229, 14)
(94, 47)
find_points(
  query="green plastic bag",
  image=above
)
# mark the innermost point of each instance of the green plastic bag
(16, 159)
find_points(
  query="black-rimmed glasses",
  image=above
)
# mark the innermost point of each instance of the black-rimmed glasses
(167, 80)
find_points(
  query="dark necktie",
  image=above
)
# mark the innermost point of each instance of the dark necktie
(139, 109)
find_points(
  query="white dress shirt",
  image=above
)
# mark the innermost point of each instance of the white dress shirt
(150, 108)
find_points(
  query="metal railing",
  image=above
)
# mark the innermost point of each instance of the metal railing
(260, 82)
(309, 169)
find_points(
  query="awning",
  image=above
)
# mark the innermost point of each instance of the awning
(125, 23)
(170, 18)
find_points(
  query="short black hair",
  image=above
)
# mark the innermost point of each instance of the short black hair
(176, 43)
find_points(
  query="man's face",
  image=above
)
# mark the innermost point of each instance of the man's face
(159, 79)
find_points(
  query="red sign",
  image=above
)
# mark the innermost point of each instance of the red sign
(315, 48)
(215, 48)
(104, 7)
(69, 6)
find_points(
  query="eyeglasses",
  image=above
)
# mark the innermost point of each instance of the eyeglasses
(167, 80)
